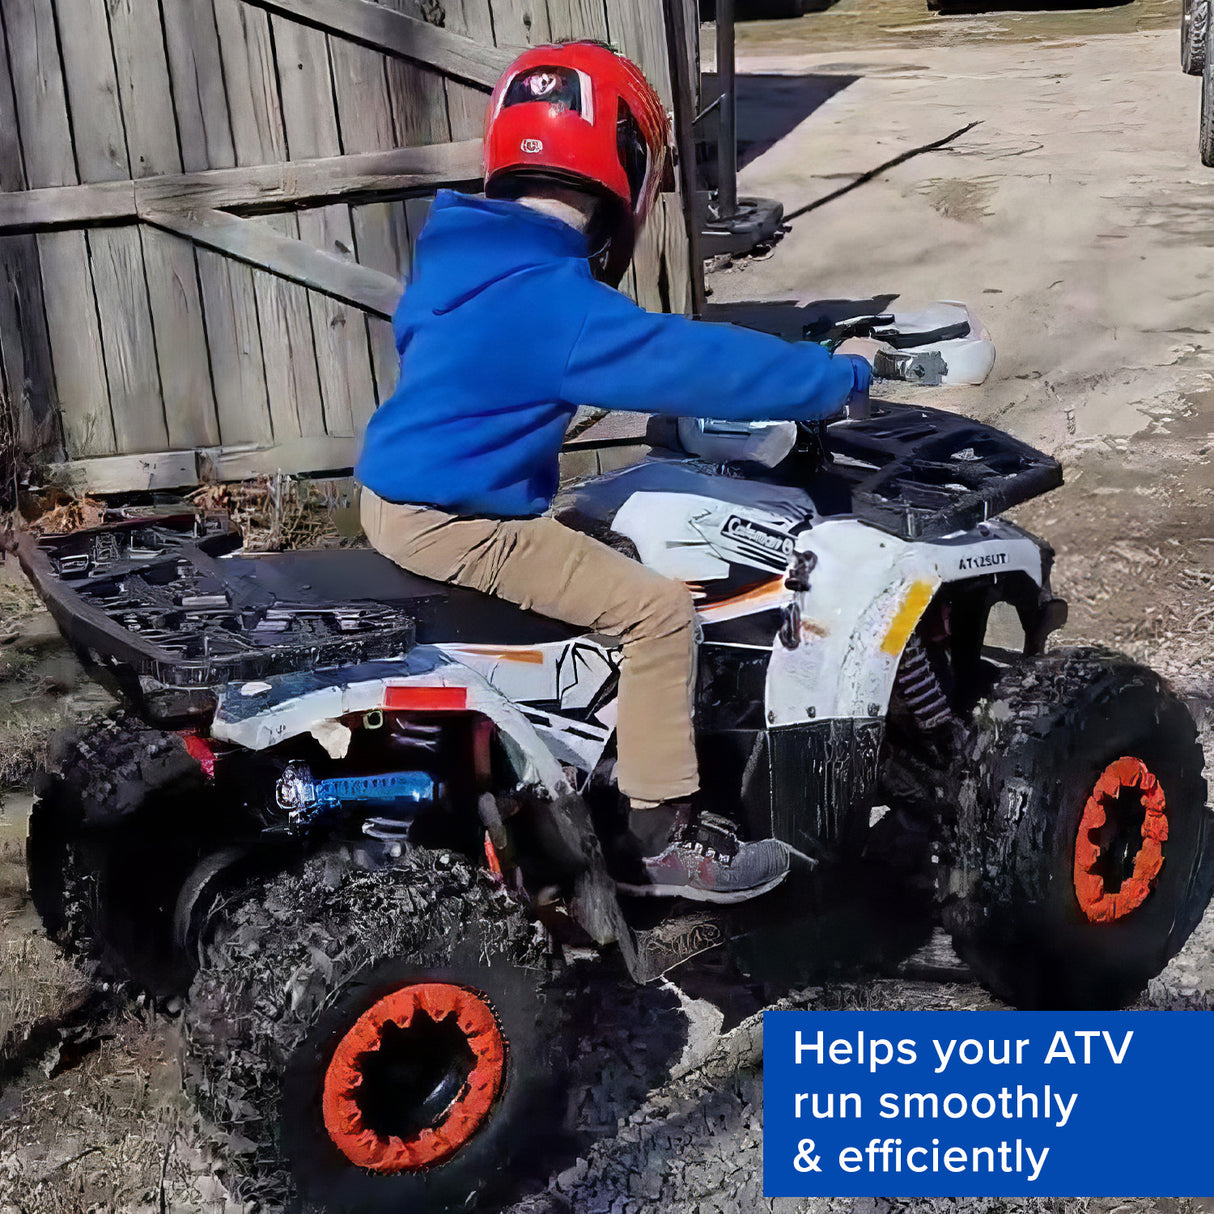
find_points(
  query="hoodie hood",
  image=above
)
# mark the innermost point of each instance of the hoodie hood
(481, 241)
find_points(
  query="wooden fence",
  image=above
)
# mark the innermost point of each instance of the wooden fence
(207, 208)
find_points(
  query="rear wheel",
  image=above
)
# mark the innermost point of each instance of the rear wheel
(122, 816)
(393, 1037)
(1080, 858)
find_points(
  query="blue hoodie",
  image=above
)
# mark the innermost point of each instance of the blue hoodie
(503, 333)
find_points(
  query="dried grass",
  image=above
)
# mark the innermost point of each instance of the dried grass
(282, 512)
(68, 514)
(25, 735)
(17, 600)
(37, 985)
(111, 1134)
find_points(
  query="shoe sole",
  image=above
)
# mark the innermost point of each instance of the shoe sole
(700, 895)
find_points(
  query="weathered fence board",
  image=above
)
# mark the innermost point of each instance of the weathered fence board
(235, 340)
(98, 134)
(251, 241)
(181, 343)
(292, 380)
(255, 113)
(25, 348)
(143, 84)
(75, 333)
(207, 208)
(577, 19)
(128, 340)
(343, 352)
(199, 92)
(70, 307)
(368, 124)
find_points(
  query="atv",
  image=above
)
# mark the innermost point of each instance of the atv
(349, 818)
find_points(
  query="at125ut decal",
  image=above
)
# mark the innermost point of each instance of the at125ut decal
(984, 560)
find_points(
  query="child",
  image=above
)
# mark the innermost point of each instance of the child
(509, 324)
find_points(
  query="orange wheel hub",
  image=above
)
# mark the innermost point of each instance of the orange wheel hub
(437, 1049)
(1125, 817)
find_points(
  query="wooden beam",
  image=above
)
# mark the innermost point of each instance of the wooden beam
(368, 175)
(184, 468)
(395, 33)
(260, 246)
(322, 453)
(127, 473)
(302, 456)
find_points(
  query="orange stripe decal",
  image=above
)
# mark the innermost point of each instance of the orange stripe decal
(505, 653)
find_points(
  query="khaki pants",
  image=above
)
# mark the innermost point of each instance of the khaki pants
(542, 565)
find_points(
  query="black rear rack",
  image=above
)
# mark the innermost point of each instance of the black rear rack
(148, 596)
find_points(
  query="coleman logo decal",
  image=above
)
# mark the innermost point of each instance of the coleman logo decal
(986, 560)
(532, 145)
(765, 539)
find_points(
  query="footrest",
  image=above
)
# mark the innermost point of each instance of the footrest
(673, 941)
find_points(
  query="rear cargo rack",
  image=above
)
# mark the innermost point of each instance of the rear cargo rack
(148, 596)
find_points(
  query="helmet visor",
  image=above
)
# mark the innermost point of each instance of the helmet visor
(633, 151)
(558, 86)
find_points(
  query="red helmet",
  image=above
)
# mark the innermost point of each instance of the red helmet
(580, 112)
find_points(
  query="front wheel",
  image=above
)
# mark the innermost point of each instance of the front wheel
(388, 1039)
(1080, 858)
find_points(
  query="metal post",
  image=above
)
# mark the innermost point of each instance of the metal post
(685, 90)
(727, 144)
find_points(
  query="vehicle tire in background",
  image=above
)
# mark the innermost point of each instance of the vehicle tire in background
(1081, 857)
(1205, 138)
(389, 1039)
(1194, 26)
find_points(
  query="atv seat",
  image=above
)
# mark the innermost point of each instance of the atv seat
(441, 613)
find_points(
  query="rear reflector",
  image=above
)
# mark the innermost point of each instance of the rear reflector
(426, 699)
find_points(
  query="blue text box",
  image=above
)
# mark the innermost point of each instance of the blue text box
(977, 1104)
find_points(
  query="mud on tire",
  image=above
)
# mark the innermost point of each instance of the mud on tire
(1059, 890)
(113, 815)
(293, 979)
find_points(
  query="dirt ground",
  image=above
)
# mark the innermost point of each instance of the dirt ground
(1075, 219)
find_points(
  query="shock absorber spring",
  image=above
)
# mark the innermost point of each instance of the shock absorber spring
(919, 687)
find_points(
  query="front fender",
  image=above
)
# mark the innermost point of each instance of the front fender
(839, 651)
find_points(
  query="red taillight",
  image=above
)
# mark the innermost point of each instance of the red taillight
(426, 699)
(199, 749)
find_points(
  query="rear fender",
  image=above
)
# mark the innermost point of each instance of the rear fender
(266, 712)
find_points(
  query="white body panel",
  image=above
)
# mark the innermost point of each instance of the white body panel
(693, 539)
(866, 595)
(566, 674)
(283, 718)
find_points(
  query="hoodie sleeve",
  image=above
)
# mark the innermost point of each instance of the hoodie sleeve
(652, 362)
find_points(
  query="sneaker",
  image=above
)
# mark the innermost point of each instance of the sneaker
(707, 862)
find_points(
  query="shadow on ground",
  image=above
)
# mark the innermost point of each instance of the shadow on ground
(769, 107)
